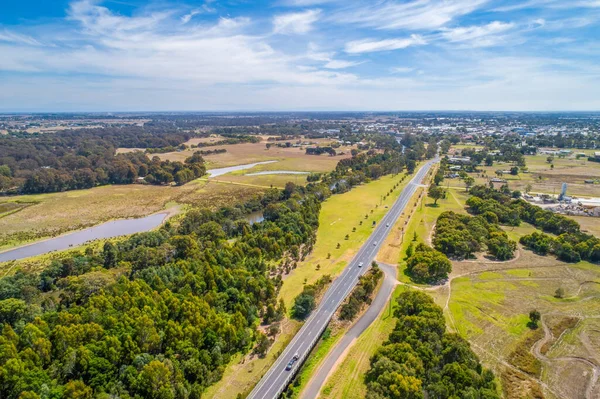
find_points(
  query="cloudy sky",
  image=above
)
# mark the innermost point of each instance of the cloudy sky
(132, 55)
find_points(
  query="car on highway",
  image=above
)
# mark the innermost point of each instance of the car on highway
(360, 264)
(290, 365)
(375, 243)
(387, 225)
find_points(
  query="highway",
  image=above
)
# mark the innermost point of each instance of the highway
(328, 364)
(274, 382)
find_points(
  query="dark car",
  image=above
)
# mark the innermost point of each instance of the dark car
(290, 365)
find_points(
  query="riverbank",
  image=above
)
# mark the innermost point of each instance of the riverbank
(111, 229)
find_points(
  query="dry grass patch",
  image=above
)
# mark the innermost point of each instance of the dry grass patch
(58, 213)
(245, 153)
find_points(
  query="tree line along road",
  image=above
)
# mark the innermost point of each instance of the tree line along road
(274, 382)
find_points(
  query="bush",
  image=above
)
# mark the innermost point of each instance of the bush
(305, 302)
(427, 265)
(500, 246)
(420, 359)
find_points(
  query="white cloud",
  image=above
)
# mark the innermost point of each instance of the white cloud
(549, 4)
(340, 64)
(416, 14)
(368, 46)
(97, 20)
(402, 70)
(478, 36)
(151, 61)
(295, 23)
(17, 38)
(305, 3)
(151, 47)
(188, 17)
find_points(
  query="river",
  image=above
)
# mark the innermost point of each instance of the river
(229, 169)
(102, 231)
(112, 229)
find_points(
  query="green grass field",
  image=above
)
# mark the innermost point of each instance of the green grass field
(339, 215)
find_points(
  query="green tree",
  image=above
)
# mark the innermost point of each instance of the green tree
(534, 318)
(154, 382)
(77, 390)
(110, 254)
(428, 265)
(436, 193)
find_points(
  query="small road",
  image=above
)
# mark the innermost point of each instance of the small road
(378, 304)
(274, 382)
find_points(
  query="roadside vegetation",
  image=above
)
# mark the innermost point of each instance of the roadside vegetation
(421, 359)
(351, 214)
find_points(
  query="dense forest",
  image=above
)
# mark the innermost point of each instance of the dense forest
(421, 360)
(157, 315)
(76, 159)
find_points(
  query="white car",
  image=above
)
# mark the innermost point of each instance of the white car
(375, 243)
(387, 225)
(360, 264)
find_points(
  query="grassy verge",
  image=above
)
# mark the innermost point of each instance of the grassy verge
(347, 380)
(339, 215)
(423, 222)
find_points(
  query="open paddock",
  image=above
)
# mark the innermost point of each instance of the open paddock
(245, 153)
(57, 213)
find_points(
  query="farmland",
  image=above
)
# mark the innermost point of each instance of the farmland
(292, 158)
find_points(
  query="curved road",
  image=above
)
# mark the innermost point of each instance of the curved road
(274, 382)
(387, 287)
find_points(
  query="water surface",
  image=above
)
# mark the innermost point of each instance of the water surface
(278, 172)
(255, 217)
(229, 169)
(102, 231)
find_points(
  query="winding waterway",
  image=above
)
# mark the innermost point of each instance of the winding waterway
(102, 231)
(229, 169)
(114, 228)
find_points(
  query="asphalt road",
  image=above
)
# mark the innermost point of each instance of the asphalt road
(383, 295)
(277, 378)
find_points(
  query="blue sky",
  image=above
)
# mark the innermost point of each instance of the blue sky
(133, 55)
